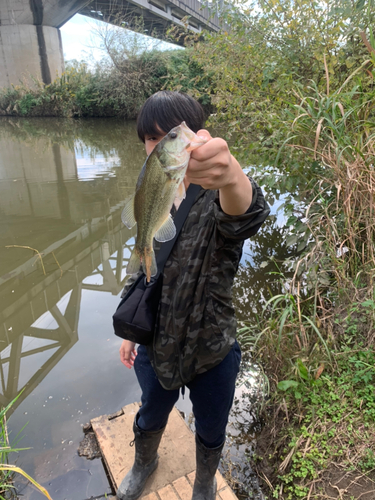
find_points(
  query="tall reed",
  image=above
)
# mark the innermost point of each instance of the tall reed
(7, 471)
(316, 338)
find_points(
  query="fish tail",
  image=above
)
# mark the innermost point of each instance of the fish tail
(134, 262)
(149, 265)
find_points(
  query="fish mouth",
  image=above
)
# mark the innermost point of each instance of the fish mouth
(187, 132)
(193, 140)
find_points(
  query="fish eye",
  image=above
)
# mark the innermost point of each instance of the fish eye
(173, 135)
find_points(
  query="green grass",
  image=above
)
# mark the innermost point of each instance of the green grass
(321, 409)
(7, 471)
(334, 423)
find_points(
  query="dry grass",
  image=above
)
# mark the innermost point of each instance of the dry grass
(320, 433)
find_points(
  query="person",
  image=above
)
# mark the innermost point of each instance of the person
(195, 339)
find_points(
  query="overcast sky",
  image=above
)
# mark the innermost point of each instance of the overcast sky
(80, 42)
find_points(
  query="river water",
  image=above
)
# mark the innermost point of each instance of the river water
(62, 188)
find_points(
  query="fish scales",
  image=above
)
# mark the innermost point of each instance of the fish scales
(160, 180)
(150, 207)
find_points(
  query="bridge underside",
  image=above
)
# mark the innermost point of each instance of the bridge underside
(30, 40)
(153, 17)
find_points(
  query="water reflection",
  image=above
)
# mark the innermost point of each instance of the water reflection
(74, 225)
(263, 260)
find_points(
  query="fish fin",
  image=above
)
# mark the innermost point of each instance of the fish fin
(149, 265)
(167, 231)
(127, 215)
(134, 263)
(181, 193)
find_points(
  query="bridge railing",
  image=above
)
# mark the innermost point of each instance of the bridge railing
(199, 10)
(203, 15)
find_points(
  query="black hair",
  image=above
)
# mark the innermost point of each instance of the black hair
(165, 110)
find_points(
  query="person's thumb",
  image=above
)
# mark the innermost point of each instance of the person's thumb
(204, 133)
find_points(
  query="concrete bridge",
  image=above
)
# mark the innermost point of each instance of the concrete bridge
(30, 39)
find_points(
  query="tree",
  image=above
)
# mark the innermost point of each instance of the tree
(273, 51)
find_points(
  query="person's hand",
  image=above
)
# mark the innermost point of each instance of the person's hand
(128, 353)
(212, 166)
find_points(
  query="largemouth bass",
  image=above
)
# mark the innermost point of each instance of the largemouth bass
(160, 182)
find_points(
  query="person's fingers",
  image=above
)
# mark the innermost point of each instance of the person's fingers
(127, 354)
(214, 151)
(129, 361)
(197, 143)
(204, 133)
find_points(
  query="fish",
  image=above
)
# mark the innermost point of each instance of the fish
(159, 184)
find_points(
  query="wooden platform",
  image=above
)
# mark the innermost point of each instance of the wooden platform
(175, 474)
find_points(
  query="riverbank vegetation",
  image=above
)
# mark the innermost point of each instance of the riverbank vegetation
(7, 471)
(293, 86)
(129, 72)
(114, 91)
(317, 336)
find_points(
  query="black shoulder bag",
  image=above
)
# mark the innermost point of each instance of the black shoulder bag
(136, 314)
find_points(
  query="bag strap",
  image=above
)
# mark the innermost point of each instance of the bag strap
(178, 220)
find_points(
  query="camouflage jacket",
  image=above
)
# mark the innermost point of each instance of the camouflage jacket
(196, 321)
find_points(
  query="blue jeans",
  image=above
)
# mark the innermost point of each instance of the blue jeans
(211, 393)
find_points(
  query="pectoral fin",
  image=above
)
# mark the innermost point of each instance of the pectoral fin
(167, 231)
(127, 215)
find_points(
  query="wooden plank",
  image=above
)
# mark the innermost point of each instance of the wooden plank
(176, 450)
(183, 488)
(174, 477)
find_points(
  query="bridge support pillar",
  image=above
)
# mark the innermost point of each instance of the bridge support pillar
(26, 50)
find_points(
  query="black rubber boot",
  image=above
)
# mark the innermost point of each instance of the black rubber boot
(145, 462)
(207, 463)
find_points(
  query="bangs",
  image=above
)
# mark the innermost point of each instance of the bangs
(165, 110)
(155, 118)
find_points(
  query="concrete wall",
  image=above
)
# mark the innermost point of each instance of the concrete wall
(53, 13)
(30, 41)
(11, 10)
(29, 50)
